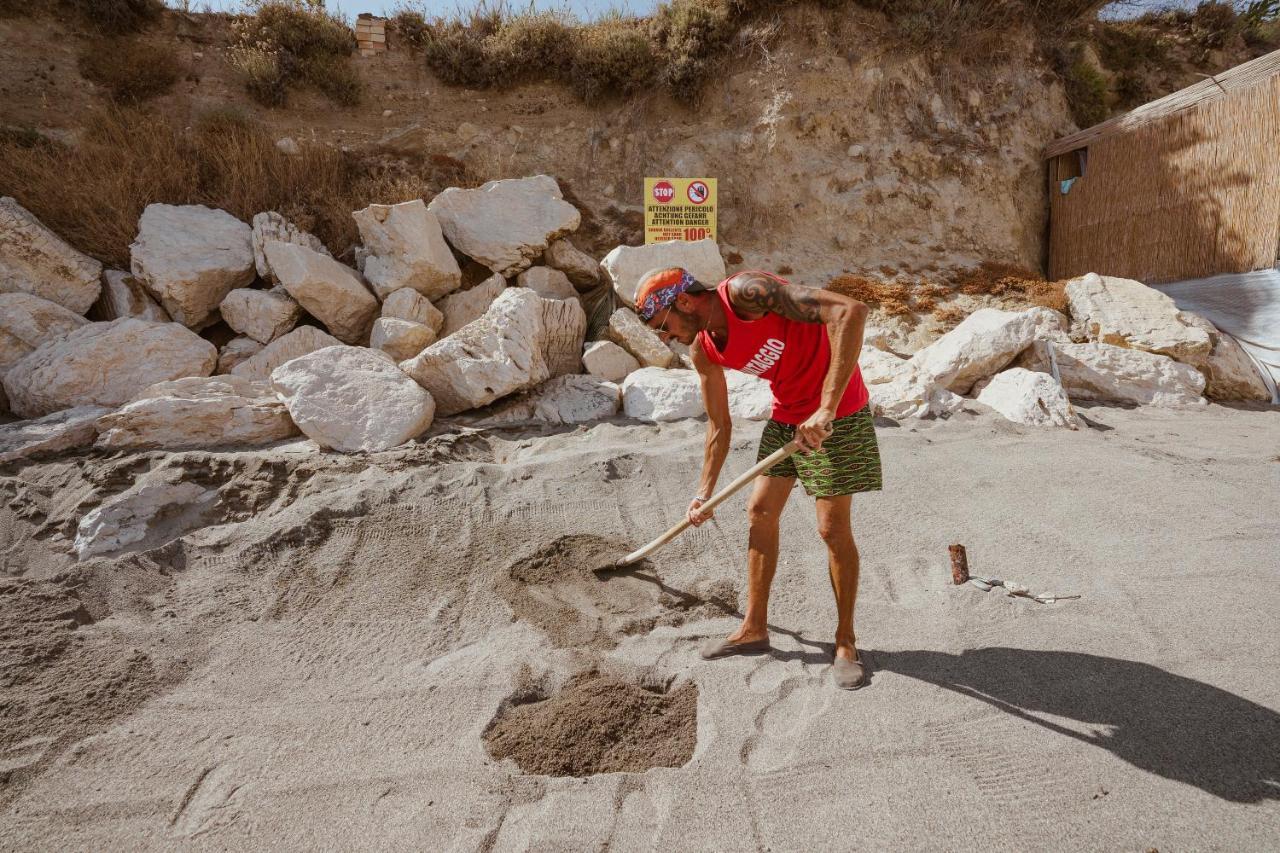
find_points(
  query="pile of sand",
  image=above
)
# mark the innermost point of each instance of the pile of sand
(599, 724)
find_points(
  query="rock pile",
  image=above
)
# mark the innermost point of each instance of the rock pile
(364, 358)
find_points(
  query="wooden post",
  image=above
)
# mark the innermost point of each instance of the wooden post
(959, 564)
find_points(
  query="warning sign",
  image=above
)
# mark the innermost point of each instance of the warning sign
(679, 209)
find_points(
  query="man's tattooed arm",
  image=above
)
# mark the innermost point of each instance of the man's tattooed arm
(758, 294)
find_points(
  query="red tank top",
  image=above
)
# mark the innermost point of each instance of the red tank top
(791, 356)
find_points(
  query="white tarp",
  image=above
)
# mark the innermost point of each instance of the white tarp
(1244, 305)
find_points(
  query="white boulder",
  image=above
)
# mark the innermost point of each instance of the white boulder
(910, 395)
(569, 399)
(626, 264)
(984, 342)
(353, 399)
(408, 304)
(271, 226)
(498, 354)
(199, 411)
(157, 508)
(124, 296)
(1111, 374)
(299, 342)
(28, 321)
(750, 396)
(505, 225)
(628, 332)
(66, 430)
(877, 365)
(400, 339)
(608, 361)
(655, 394)
(236, 351)
(34, 260)
(1127, 313)
(405, 248)
(547, 282)
(582, 269)
(1028, 397)
(1229, 372)
(263, 315)
(189, 257)
(463, 307)
(329, 291)
(105, 364)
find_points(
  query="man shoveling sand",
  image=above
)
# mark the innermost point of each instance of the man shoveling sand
(805, 343)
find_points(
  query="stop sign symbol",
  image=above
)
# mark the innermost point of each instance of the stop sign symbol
(663, 192)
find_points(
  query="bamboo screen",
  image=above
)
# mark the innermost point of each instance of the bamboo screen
(1191, 194)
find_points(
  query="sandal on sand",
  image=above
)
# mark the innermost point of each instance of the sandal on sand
(712, 649)
(848, 674)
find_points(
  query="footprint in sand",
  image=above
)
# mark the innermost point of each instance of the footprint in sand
(780, 725)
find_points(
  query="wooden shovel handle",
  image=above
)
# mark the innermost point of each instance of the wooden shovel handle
(718, 498)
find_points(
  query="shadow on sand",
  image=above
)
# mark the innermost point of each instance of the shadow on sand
(1176, 727)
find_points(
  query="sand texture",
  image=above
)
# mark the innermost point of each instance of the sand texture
(335, 651)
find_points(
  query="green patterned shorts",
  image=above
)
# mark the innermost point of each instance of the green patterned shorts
(849, 461)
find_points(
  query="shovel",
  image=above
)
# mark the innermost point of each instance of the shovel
(718, 498)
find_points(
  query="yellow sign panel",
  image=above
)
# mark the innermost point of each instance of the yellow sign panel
(679, 209)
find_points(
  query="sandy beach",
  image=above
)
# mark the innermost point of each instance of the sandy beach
(327, 658)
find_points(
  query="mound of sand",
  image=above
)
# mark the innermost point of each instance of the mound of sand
(599, 724)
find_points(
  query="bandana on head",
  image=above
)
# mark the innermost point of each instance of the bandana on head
(659, 291)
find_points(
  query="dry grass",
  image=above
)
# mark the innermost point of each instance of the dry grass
(129, 68)
(283, 43)
(992, 278)
(891, 297)
(93, 193)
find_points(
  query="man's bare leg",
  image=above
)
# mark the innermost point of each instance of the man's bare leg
(764, 512)
(835, 525)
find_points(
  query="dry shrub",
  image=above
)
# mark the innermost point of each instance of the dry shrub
(992, 278)
(409, 27)
(613, 56)
(117, 16)
(129, 68)
(1088, 93)
(891, 297)
(693, 37)
(93, 193)
(283, 42)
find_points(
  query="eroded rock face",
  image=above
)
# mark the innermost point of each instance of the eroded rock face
(235, 352)
(400, 339)
(408, 304)
(124, 296)
(263, 315)
(1127, 313)
(271, 226)
(1111, 374)
(628, 332)
(505, 225)
(571, 399)
(353, 399)
(498, 354)
(1028, 397)
(300, 341)
(329, 291)
(463, 307)
(655, 394)
(547, 282)
(69, 429)
(189, 257)
(105, 364)
(34, 260)
(984, 342)
(1228, 371)
(564, 326)
(608, 361)
(582, 269)
(28, 321)
(626, 264)
(198, 412)
(405, 248)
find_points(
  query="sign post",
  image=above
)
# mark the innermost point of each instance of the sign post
(679, 209)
